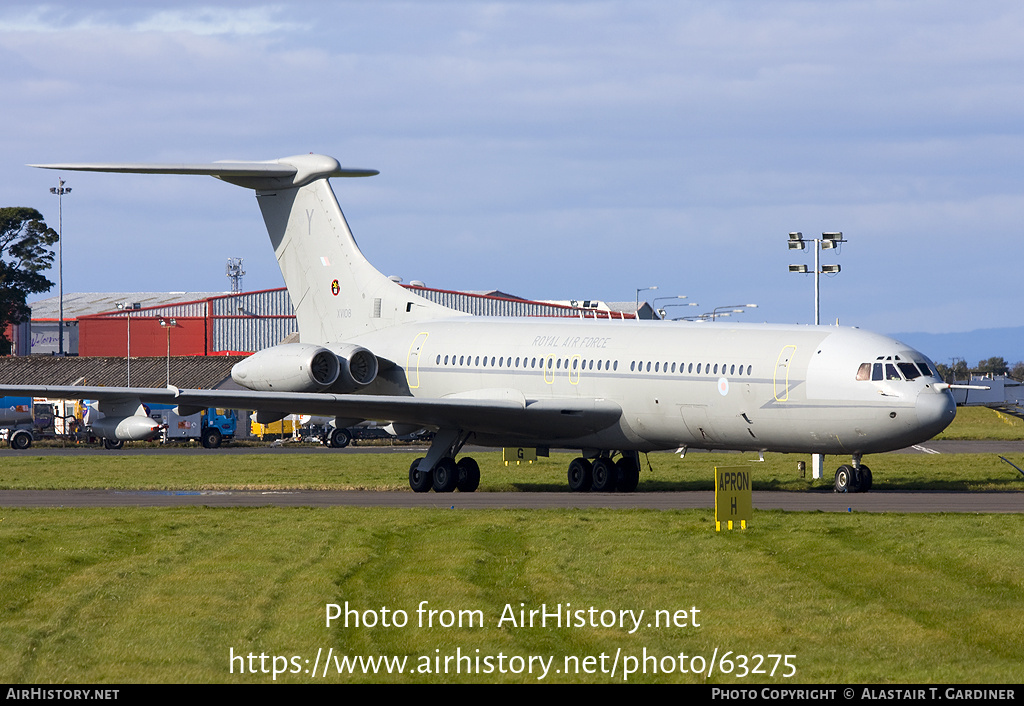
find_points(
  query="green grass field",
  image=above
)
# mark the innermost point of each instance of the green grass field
(341, 470)
(168, 595)
(164, 595)
(983, 423)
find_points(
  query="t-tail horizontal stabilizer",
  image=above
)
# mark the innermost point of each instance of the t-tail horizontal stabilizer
(336, 292)
(273, 174)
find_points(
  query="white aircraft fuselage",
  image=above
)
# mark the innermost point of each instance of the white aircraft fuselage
(706, 385)
(371, 349)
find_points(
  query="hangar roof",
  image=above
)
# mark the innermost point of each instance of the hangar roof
(194, 372)
(84, 303)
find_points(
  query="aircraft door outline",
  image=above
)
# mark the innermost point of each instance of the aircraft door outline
(782, 369)
(412, 361)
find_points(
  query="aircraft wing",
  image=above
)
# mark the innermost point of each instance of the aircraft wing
(486, 411)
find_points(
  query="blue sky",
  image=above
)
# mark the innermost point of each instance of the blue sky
(552, 150)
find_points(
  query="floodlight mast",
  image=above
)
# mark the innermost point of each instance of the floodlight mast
(638, 290)
(60, 191)
(168, 324)
(827, 241)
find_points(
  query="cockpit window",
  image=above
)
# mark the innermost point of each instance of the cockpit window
(909, 370)
(896, 370)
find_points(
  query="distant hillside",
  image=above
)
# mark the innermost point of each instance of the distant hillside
(972, 346)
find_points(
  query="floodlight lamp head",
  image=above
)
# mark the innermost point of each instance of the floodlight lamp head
(798, 268)
(830, 269)
(797, 245)
(796, 235)
(832, 236)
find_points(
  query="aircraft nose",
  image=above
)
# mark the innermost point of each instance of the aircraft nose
(935, 410)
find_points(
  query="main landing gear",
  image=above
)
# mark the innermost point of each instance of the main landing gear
(439, 469)
(853, 478)
(602, 475)
(448, 475)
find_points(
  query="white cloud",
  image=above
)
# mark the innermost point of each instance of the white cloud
(139, 17)
(644, 129)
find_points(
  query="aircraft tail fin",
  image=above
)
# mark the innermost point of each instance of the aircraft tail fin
(336, 292)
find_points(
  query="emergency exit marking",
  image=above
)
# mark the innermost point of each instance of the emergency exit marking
(733, 503)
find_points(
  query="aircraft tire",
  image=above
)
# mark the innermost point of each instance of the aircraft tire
(21, 440)
(844, 480)
(469, 475)
(629, 474)
(420, 481)
(865, 479)
(340, 438)
(446, 475)
(580, 475)
(113, 444)
(605, 476)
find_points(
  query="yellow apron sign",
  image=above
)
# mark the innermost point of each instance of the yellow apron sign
(732, 497)
(518, 455)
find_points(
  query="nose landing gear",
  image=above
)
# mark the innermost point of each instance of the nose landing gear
(853, 478)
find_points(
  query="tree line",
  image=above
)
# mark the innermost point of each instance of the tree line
(25, 253)
(959, 370)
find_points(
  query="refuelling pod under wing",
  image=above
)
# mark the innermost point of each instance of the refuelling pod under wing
(133, 428)
(124, 420)
(303, 367)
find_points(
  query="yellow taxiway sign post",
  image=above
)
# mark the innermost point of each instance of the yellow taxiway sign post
(733, 502)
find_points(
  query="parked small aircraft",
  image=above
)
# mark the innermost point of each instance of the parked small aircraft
(371, 349)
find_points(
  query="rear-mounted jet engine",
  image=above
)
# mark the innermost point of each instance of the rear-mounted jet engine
(303, 367)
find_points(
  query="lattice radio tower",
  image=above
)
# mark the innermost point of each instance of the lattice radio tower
(235, 273)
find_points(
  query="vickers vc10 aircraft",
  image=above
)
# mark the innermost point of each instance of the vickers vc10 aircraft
(371, 349)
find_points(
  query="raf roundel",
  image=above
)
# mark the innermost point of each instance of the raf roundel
(723, 387)
(335, 287)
